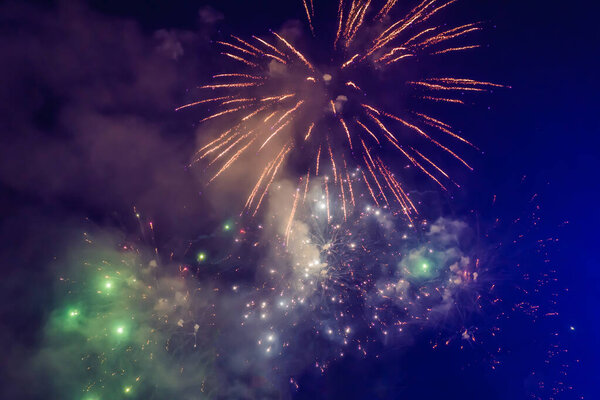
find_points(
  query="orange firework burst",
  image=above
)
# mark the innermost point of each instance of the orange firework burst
(283, 105)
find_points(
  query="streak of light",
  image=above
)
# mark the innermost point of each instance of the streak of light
(240, 59)
(332, 161)
(347, 132)
(422, 133)
(285, 150)
(203, 102)
(442, 100)
(453, 49)
(288, 228)
(310, 129)
(237, 48)
(350, 61)
(296, 52)
(349, 184)
(270, 46)
(233, 159)
(368, 130)
(353, 85)
(369, 187)
(318, 159)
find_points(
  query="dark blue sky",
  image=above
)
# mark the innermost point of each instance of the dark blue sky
(546, 128)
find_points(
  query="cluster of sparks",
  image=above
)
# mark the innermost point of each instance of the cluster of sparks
(349, 286)
(343, 288)
(283, 103)
(121, 332)
(352, 283)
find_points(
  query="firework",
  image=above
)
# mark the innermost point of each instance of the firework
(283, 105)
(125, 327)
(349, 279)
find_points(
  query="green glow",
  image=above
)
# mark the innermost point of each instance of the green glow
(120, 330)
(70, 319)
(422, 268)
(201, 257)
(107, 285)
(103, 334)
(228, 225)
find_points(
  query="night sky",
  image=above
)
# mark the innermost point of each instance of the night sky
(89, 132)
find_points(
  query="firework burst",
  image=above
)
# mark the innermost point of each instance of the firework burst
(287, 108)
(124, 326)
(351, 284)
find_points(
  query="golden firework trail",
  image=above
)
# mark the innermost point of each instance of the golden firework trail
(343, 196)
(310, 129)
(306, 186)
(353, 85)
(279, 93)
(309, 15)
(450, 50)
(350, 61)
(288, 229)
(327, 198)
(332, 161)
(349, 181)
(318, 160)
(279, 160)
